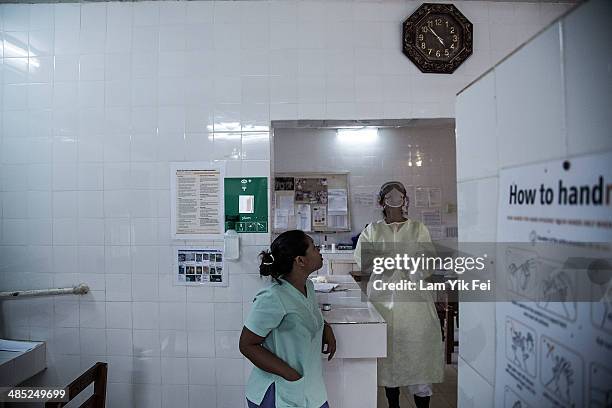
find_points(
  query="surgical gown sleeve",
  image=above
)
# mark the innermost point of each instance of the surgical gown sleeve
(424, 238)
(365, 236)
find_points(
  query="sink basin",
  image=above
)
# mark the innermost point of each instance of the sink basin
(20, 360)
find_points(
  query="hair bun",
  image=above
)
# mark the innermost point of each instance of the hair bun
(267, 260)
(286, 247)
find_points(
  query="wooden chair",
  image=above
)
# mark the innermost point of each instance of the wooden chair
(95, 374)
(448, 314)
(452, 316)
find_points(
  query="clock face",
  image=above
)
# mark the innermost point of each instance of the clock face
(437, 38)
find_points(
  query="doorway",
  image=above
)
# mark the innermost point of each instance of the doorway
(420, 153)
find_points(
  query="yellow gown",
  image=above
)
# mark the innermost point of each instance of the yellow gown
(415, 352)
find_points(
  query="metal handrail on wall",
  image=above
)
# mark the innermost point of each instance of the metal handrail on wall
(81, 289)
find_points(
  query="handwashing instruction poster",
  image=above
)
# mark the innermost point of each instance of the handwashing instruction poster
(554, 353)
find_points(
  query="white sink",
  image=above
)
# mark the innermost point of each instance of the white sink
(20, 360)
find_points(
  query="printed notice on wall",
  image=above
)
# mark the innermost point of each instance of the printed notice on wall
(304, 217)
(432, 217)
(554, 348)
(197, 200)
(200, 266)
(435, 197)
(338, 201)
(319, 216)
(421, 197)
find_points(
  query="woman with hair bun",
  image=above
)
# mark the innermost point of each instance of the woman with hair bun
(284, 333)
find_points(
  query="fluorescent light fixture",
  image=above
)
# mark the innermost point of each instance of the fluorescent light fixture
(360, 135)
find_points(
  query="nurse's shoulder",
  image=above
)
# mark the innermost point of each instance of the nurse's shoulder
(276, 294)
(309, 285)
(270, 293)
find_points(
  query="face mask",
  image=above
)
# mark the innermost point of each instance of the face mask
(394, 198)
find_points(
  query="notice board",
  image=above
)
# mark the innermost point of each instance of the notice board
(312, 202)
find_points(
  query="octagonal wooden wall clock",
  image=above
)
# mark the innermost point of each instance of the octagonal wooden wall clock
(437, 38)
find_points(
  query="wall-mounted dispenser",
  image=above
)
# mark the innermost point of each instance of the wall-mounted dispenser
(231, 244)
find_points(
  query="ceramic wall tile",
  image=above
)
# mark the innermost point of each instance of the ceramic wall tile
(587, 102)
(97, 98)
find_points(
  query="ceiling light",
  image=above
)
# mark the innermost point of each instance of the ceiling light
(360, 135)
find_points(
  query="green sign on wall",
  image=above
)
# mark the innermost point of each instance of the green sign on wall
(246, 204)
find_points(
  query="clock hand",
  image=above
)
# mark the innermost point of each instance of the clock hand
(437, 36)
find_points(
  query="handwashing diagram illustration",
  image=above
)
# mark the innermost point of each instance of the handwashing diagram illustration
(556, 293)
(601, 289)
(521, 346)
(601, 312)
(543, 280)
(561, 372)
(512, 400)
(600, 387)
(521, 268)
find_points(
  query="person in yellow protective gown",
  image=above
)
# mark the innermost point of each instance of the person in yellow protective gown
(415, 352)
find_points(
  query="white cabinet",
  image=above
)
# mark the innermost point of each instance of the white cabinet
(361, 338)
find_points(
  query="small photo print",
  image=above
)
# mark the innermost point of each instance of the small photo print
(198, 270)
(205, 269)
(205, 256)
(219, 271)
(198, 257)
(190, 257)
(181, 257)
(198, 278)
(213, 271)
(181, 278)
(283, 183)
(219, 258)
(190, 278)
(191, 270)
(181, 269)
(216, 278)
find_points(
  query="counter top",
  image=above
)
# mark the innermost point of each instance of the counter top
(352, 315)
(347, 304)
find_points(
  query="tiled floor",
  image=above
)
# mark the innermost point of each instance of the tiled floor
(444, 394)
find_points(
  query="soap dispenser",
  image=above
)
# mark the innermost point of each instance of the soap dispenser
(231, 245)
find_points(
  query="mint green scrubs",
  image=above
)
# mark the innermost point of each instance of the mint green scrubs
(293, 327)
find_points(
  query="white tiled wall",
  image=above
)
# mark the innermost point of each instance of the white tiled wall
(372, 164)
(97, 98)
(532, 107)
